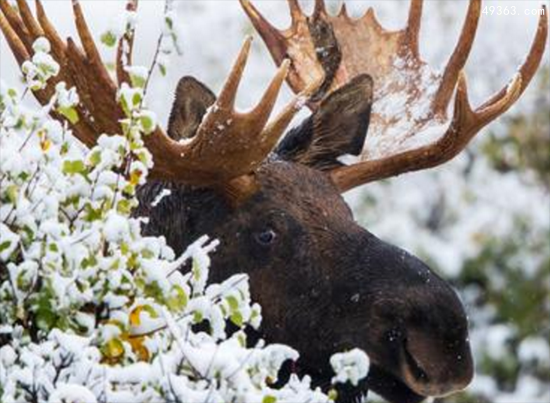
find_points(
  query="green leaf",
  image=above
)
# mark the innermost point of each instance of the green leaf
(269, 399)
(44, 312)
(113, 349)
(169, 22)
(197, 317)
(4, 245)
(162, 69)
(64, 148)
(109, 39)
(137, 81)
(136, 98)
(124, 206)
(70, 113)
(237, 318)
(232, 302)
(147, 254)
(196, 270)
(12, 192)
(73, 167)
(178, 300)
(22, 282)
(92, 214)
(125, 108)
(95, 158)
(147, 124)
(29, 233)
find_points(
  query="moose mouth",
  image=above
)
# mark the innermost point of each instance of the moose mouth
(391, 387)
(420, 379)
(411, 382)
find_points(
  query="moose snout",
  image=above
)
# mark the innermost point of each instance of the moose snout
(419, 322)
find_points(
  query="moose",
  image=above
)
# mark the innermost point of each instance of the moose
(274, 200)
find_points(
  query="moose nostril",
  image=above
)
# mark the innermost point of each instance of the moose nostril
(414, 366)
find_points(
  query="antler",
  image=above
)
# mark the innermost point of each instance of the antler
(227, 146)
(410, 129)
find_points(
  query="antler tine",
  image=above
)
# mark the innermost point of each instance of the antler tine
(260, 114)
(84, 128)
(228, 94)
(125, 48)
(87, 129)
(531, 63)
(58, 46)
(275, 129)
(16, 24)
(458, 59)
(271, 36)
(34, 31)
(89, 47)
(43, 27)
(32, 26)
(230, 132)
(95, 79)
(501, 105)
(15, 43)
(344, 10)
(319, 9)
(295, 11)
(413, 25)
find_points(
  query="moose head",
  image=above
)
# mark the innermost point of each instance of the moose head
(325, 283)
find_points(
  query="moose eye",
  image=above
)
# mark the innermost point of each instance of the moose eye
(266, 237)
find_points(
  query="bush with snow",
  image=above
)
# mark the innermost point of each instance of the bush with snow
(91, 310)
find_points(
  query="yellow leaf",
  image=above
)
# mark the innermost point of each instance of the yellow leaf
(135, 177)
(135, 319)
(139, 348)
(45, 144)
(113, 350)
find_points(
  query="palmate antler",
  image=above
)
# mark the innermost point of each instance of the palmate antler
(228, 145)
(409, 128)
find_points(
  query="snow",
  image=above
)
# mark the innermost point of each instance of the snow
(70, 393)
(41, 45)
(163, 193)
(534, 348)
(66, 98)
(116, 228)
(351, 366)
(401, 106)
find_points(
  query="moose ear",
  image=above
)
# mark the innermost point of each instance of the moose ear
(193, 99)
(338, 127)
